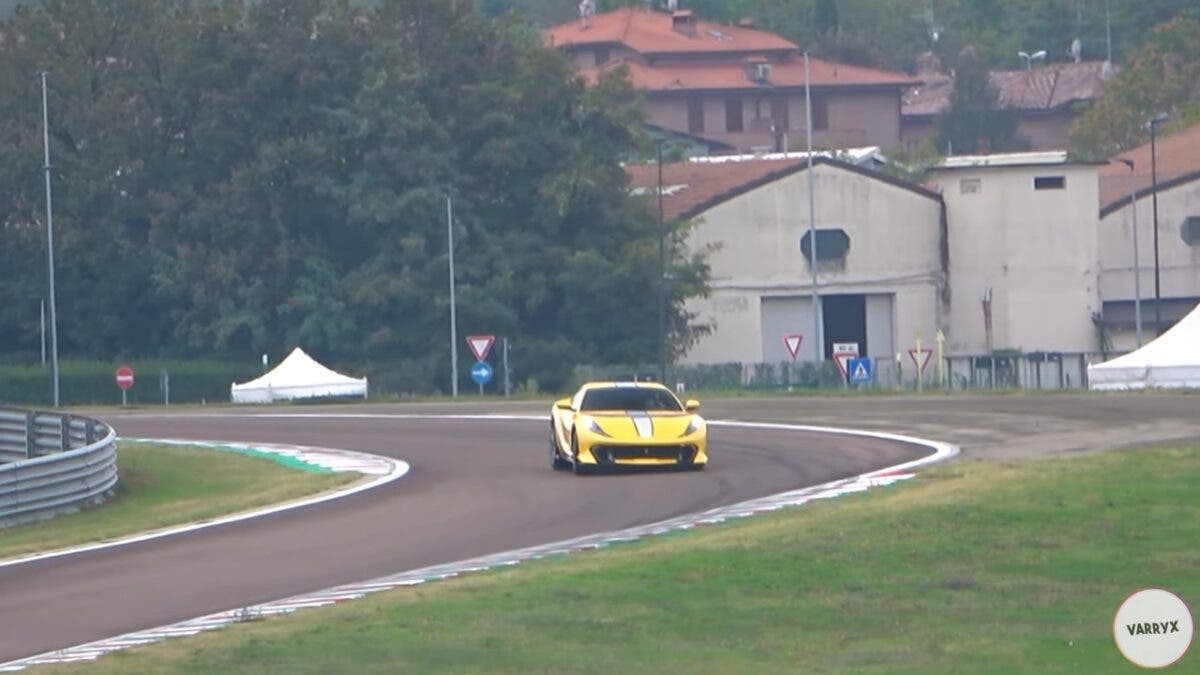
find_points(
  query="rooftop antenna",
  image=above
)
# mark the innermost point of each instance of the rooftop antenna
(1030, 58)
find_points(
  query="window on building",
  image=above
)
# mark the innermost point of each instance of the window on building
(602, 55)
(733, 114)
(696, 115)
(779, 113)
(1049, 182)
(969, 186)
(820, 113)
(831, 244)
(1191, 231)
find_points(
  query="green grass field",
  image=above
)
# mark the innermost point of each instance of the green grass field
(163, 485)
(972, 567)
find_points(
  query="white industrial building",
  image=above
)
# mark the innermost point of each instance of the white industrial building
(1006, 253)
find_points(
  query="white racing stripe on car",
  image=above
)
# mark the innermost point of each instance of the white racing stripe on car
(643, 423)
(881, 477)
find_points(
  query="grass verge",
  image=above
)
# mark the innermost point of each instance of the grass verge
(164, 485)
(973, 567)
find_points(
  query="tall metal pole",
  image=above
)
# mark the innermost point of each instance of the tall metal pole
(662, 278)
(43, 332)
(50, 244)
(453, 311)
(1137, 270)
(818, 339)
(1154, 198)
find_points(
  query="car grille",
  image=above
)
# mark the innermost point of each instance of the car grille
(609, 454)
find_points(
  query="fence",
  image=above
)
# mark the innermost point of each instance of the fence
(53, 463)
(1034, 370)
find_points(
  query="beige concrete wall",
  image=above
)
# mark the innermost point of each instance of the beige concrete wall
(1179, 263)
(1037, 250)
(894, 249)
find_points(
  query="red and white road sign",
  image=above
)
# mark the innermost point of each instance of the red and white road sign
(920, 357)
(125, 377)
(842, 353)
(792, 342)
(480, 345)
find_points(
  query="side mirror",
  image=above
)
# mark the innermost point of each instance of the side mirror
(563, 404)
(692, 405)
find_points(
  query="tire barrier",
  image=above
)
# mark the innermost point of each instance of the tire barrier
(53, 463)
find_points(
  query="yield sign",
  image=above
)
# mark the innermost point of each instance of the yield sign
(792, 342)
(920, 357)
(480, 345)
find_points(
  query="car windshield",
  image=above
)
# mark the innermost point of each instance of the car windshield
(629, 398)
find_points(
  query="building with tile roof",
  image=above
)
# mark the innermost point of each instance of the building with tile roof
(735, 85)
(1127, 179)
(1046, 98)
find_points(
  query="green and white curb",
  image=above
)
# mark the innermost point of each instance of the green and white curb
(377, 469)
(860, 483)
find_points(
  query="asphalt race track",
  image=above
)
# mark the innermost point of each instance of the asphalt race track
(483, 486)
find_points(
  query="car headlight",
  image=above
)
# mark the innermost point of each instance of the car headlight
(593, 426)
(696, 424)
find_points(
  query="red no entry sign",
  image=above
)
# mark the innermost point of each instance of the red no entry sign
(125, 377)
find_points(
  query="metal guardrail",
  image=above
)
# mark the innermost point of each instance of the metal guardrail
(53, 463)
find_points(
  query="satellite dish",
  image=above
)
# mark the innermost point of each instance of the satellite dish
(1076, 50)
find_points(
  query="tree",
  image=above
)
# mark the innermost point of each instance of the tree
(974, 122)
(1163, 77)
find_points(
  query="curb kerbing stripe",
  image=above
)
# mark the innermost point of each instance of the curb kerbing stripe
(381, 470)
(878, 478)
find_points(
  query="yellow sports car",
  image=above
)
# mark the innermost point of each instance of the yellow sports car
(610, 424)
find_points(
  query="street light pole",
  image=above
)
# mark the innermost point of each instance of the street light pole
(662, 277)
(818, 341)
(1154, 122)
(50, 243)
(453, 313)
(1137, 270)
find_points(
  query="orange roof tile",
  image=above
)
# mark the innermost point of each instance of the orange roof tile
(651, 32)
(1177, 159)
(665, 77)
(1044, 88)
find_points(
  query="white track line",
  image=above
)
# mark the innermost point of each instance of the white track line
(381, 469)
(328, 596)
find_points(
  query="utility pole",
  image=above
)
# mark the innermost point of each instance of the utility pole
(50, 244)
(1154, 122)
(662, 277)
(818, 340)
(453, 312)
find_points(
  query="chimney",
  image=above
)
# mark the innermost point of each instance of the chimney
(684, 22)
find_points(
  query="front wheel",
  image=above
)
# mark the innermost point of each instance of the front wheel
(556, 459)
(576, 466)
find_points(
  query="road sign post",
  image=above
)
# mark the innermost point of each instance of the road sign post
(480, 345)
(792, 342)
(481, 372)
(920, 357)
(842, 353)
(861, 371)
(124, 378)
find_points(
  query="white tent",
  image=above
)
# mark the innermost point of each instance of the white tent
(297, 376)
(1172, 360)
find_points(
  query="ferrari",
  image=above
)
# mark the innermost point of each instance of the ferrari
(626, 424)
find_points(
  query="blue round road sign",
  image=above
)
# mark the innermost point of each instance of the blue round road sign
(481, 372)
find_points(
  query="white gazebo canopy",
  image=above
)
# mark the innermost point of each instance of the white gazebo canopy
(297, 377)
(1171, 360)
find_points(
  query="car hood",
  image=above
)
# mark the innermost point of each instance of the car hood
(634, 425)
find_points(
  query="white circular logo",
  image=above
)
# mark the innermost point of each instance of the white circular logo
(1153, 628)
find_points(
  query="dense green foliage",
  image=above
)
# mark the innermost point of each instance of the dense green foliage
(93, 382)
(232, 178)
(1162, 78)
(974, 122)
(892, 33)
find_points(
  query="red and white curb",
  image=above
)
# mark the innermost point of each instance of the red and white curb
(379, 469)
(836, 488)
